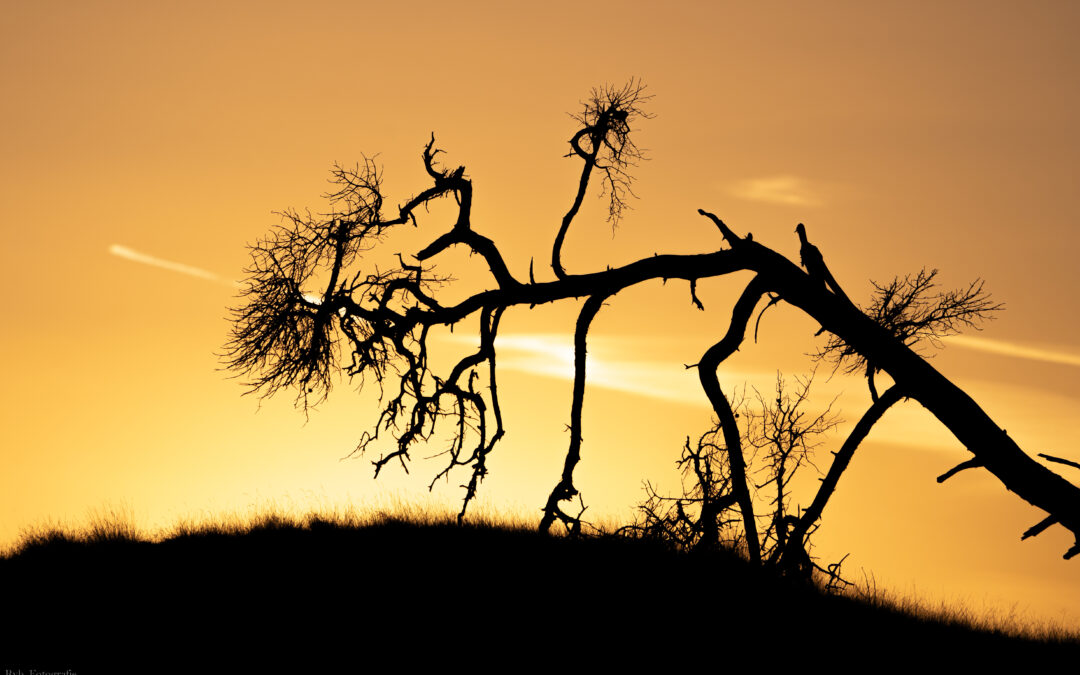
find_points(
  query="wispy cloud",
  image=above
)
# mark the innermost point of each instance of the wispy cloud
(1039, 419)
(1015, 350)
(789, 190)
(552, 355)
(136, 256)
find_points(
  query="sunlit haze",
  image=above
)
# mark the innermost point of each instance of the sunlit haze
(147, 145)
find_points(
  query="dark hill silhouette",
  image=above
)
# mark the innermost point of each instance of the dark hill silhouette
(392, 595)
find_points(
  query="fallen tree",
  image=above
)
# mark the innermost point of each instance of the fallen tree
(310, 310)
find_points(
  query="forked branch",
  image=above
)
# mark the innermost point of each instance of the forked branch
(313, 307)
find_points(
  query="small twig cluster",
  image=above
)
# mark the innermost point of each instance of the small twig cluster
(783, 438)
(916, 313)
(605, 143)
(701, 518)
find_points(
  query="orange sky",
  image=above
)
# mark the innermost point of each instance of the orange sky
(904, 135)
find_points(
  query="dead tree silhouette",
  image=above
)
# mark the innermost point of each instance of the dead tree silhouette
(781, 437)
(309, 309)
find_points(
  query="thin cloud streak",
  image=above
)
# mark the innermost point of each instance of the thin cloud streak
(907, 424)
(135, 256)
(552, 355)
(787, 190)
(1014, 350)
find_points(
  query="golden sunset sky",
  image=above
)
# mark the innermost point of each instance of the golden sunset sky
(146, 144)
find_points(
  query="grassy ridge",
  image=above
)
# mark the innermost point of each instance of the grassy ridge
(347, 590)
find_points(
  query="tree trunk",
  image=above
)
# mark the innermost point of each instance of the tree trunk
(920, 381)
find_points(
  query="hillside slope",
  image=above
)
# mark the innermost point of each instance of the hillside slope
(407, 593)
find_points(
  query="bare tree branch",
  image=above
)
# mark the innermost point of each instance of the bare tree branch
(969, 464)
(707, 368)
(915, 314)
(783, 436)
(565, 489)
(1060, 460)
(603, 143)
(315, 306)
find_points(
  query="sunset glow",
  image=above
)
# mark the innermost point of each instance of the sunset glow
(148, 145)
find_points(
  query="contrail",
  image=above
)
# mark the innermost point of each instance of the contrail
(1014, 350)
(131, 254)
